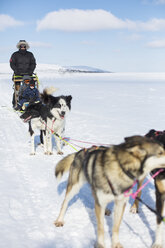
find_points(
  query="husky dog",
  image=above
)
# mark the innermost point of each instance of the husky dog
(160, 191)
(49, 117)
(110, 171)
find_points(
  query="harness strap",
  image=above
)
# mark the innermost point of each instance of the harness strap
(134, 195)
(111, 186)
(128, 173)
(51, 130)
(53, 124)
(162, 218)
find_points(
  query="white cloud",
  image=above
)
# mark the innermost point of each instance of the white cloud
(39, 44)
(152, 25)
(7, 21)
(92, 20)
(160, 1)
(148, 2)
(81, 20)
(157, 44)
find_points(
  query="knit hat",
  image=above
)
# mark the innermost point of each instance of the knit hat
(26, 77)
(23, 42)
(32, 82)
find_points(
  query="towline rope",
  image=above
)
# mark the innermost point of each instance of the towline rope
(53, 132)
(65, 139)
(87, 142)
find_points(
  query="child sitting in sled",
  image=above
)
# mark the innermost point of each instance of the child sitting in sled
(29, 95)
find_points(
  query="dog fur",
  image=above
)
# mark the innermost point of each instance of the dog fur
(110, 171)
(159, 182)
(49, 117)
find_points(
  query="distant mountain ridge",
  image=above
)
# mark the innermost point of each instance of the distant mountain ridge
(51, 68)
(87, 69)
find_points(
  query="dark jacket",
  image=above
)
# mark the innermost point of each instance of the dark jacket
(22, 89)
(22, 62)
(29, 95)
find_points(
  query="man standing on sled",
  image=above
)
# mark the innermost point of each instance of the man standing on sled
(22, 62)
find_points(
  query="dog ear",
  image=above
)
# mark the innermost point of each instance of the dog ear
(68, 101)
(151, 133)
(137, 151)
(135, 138)
(69, 98)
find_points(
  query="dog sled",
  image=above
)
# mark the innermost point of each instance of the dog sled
(18, 83)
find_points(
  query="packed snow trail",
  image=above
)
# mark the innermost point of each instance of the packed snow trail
(102, 111)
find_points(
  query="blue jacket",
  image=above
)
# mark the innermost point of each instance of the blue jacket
(29, 95)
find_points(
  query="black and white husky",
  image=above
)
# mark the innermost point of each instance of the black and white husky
(49, 117)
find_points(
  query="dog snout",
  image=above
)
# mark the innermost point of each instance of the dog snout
(63, 113)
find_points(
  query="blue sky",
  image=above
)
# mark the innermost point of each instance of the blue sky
(115, 35)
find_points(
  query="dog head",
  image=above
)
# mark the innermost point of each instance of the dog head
(157, 135)
(58, 105)
(61, 106)
(150, 152)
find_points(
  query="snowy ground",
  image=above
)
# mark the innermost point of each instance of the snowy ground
(105, 109)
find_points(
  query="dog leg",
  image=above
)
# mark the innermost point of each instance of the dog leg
(120, 204)
(32, 145)
(41, 136)
(58, 145)
(31, 132)
(135, 207)
(100, 211)
(48, 144)
(72, 190)
(159, 233)
(160, 191)
(44, 136)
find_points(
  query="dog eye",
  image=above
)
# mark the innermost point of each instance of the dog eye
(58, 105)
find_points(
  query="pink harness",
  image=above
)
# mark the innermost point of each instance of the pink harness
(134, 195)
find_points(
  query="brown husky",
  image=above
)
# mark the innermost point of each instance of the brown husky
(159, 192)
(110, 171)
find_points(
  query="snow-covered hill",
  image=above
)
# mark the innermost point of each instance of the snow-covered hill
(84, 69)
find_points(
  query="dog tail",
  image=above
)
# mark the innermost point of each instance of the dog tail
(64, 165)
(46, 95)
(50, 90)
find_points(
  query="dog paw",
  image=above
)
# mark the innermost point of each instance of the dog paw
(107, 212)
(58, 223)
(98, 246)
(118, 245)
(157, 245)
(134, 210)
(48, 153)
(60, 153)
(32, 153)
